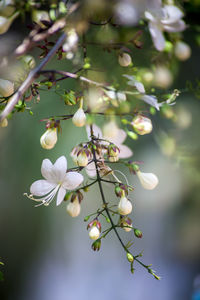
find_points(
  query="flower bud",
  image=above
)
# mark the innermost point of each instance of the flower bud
(40, 15)
(182, 50)
(49, 138)
(113, 153)
(124, 206)
(74, 208)
(5, 23)
(148, 180)
(79, 118)
(4, 123)
(7, 8)
(124, 59)
(138, 233)
(130, 257)
(29, 61)
(126, 224)
(142, 125)
(96, 245)
(94, 233)
(162, 77)
(82, 159)
(6, 88)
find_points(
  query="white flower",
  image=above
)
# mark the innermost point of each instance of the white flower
(148, 180)
(56, 181)
(74, 208)
(6, 88)
(124, 59)
(124, 206)
(168, 18)
(142, 125)
(94, 233)
(5, 23)
(49, 138)
(79, 118)
(182, 50)
(133, 82)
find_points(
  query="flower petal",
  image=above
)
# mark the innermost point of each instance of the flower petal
(91, 170)
(46, 169)
(157, 36)
(125, 151)
(151, 100)
(59, 169)
(119, 138)
(41, 187)
(61, 195)
(175, 27)
(173, 14)
(72, 180)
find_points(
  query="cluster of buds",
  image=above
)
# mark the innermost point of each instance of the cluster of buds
(49, 138)
(94, 229)
(113, 153)
(125, 223)
(81, 155)
(142, 125)
(74, 208)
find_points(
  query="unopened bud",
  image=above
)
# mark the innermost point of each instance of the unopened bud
(49, 138)
(142, 125)
(124, 59)
(94, 233)
(96, 245)
(130, 257)
(124, 206)
(148, 180)
(138, 233)
(6, 88)
(74, 208)
(82, 159)
(162, 77)
(182, 50)
(79, 118)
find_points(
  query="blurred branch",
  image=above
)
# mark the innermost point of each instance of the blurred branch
(32, 75)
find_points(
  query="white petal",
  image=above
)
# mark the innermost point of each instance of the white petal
(46, 168)
(149, 16)
(140, 87)
(157, 36)
(72, 180)
(41, 187)
(148, 180)
(91, 170)
(173, 14)
(61, 195)
(59, 169)
(119, 138)
(175, 27)
(97, 131)
(151, 100)
(125, 151)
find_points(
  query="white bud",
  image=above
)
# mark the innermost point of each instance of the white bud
(6, 88)
(142, 125)
(74, 208)
(94, 233)
(148, 180)
(82, 159)
(110, 130)
(79, 118)
(7, 8)
(124, 59)
(182, 50)
(162, 77)
(5, 23)
(49, 138)
(4, 123)
(113, 154)
(124, 206)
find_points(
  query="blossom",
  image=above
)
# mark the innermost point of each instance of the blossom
(182, 50)
(124, 59)
(148, 180)
(166, 18)
(56, 181)
(79, 118)
(124, 206)
(74, 208)
(49, 138)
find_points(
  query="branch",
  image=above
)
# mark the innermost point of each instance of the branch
(32, 75)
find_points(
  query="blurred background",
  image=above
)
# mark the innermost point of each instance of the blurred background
(47, 254)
